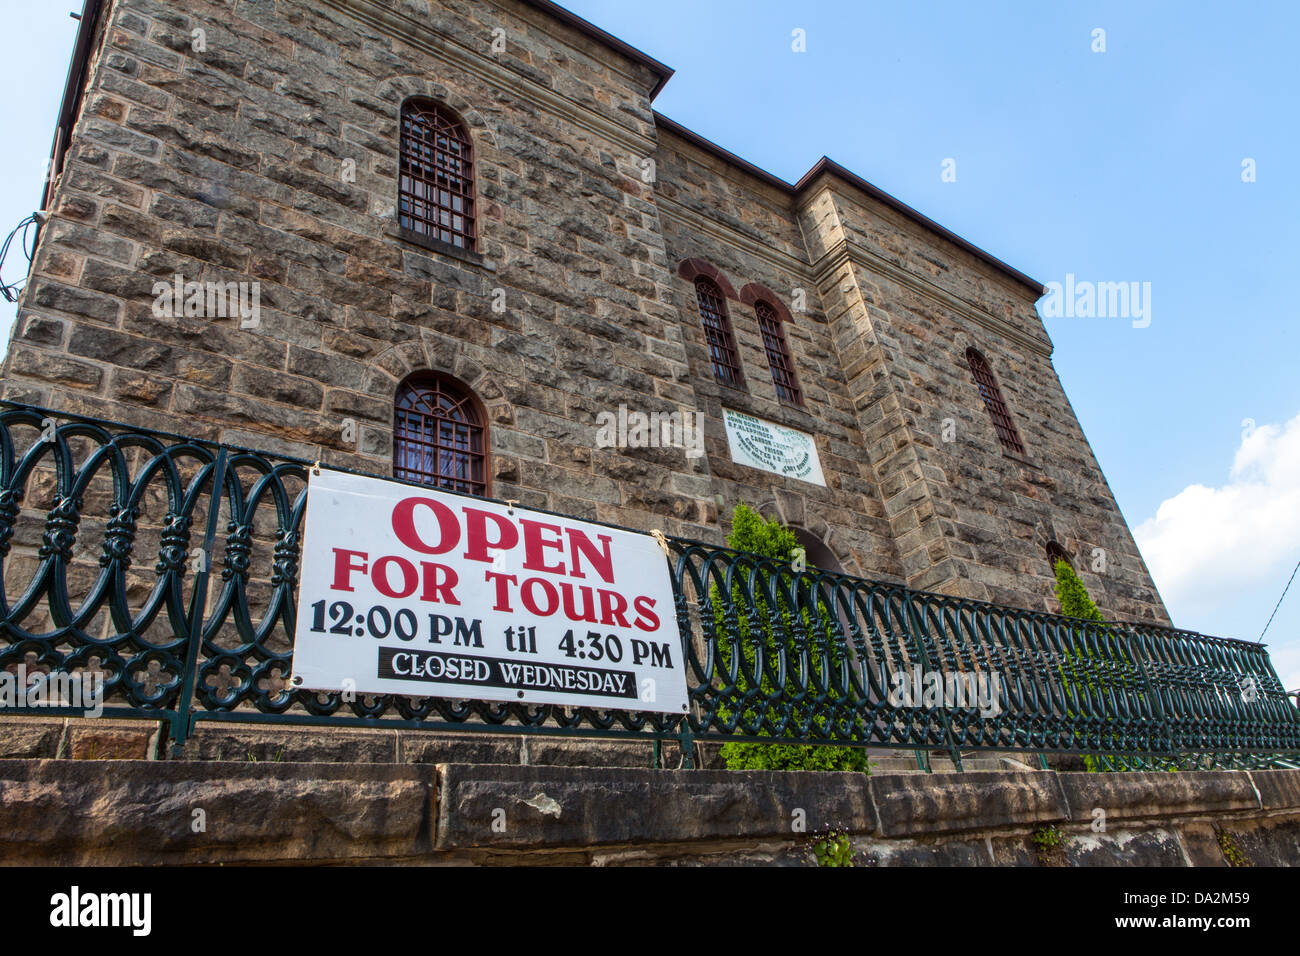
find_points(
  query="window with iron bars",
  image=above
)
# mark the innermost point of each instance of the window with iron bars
(778, 355)
(717, 333)
(440, 435)
(997, 408)
(436, 192)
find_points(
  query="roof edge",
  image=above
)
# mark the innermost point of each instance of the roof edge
(662, 71)
(88, 23)
(677, 129)
(828, 166)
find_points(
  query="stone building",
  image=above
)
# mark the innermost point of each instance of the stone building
(467, 220)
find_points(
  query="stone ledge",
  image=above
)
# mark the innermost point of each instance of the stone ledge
(566, 806)
(1277, 789)
(1160, 795)
(97, 812)
(65, 812)
(911, 804)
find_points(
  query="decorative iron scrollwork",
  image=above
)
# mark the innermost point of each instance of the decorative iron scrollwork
(61, 528)
(175, 550)
(119, 537)
(771, 654)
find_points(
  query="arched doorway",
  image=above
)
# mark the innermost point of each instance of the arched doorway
(817, 551)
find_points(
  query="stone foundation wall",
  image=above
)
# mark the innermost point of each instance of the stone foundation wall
(144, 812)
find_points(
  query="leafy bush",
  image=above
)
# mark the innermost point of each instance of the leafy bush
(1072, 594)
(833, 848)
(1076, 602)
(752, 533)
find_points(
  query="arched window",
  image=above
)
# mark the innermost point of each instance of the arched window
(817, 551)
(778, 354)
(440, 434)
(717, 332)
(1056, 553)
(436, 191)
(1006, 428)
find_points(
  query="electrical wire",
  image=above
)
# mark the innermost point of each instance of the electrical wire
(28, 228)
(1277, 605)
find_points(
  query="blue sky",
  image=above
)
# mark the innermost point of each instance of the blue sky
(1117, 166)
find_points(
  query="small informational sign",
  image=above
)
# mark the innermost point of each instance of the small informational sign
(420, 593)
(772, 447)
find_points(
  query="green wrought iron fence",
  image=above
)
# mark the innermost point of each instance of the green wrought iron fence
(118, 558)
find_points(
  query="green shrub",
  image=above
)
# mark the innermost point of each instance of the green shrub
(1072, 594)
(833, 848)
(1076, 602)
(752, 533)
(1049, 845)
(748, 756)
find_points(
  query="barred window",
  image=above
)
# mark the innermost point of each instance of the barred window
(997, 408)
(778, 354)
(440, 435)
(436, 192)
(717, 332)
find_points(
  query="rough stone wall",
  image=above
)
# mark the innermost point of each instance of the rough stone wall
(967, 517)
(228, 164)
(125, 812)
(749, 231)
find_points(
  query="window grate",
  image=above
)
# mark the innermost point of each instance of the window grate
(436, 194)
(778, 355)
(439, 437)
(717, 333)
(992, 395)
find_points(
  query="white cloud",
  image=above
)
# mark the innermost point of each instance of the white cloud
(1205, 546)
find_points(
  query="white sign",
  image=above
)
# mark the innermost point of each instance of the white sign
(772, 447)
(420, 593)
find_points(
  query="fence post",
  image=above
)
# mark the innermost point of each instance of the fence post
(1157, 706)
(688, 747)
(182, 719)
(913, 626)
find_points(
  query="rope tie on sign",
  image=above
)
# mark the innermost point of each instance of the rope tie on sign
(315, 469)
(662, 539)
